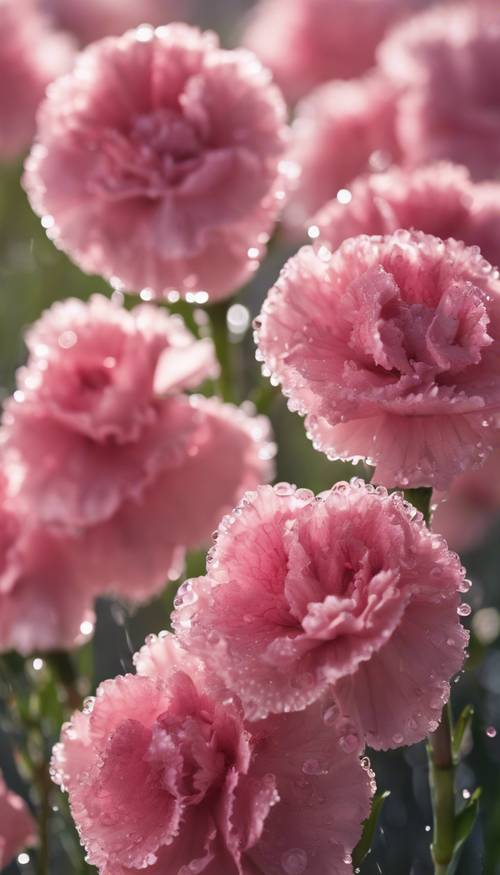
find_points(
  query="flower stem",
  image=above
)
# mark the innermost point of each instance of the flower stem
(442, 781)
(44, 787)
(217, 313)
(442, 765)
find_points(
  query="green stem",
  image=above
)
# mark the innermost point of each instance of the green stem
(44, 786)
(442, 765)
(64, 672)
(217, 313)
(442, 781)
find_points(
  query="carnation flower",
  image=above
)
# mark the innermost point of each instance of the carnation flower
(90, 20)
(341, 130)
(348, 592)
(31, 55)
(212, 793)
(101, 441)
(45, 595)
(157, 162)
(448, 60)
(17, 827)
(320, 39)
(468, 510)
(391, 347)
(439, 199)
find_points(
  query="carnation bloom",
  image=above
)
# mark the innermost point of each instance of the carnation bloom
(90, 20)
(212, 793)
(439, 199)
(341, 130)
(320, 39)
(45, 595)
(31, 55)
(349, 589)
(448, 59)
(17, 827)
(391, 347)
(157, 162)
(468, 510)
(101, 441)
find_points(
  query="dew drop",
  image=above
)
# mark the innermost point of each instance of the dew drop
(294, 861)
(491, 732)
(330, 715)
(464, 610)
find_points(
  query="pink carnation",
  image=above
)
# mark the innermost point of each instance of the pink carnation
(391, 347)
(90, 20)
(448, 59)
(468, 510)
(101, 441)
(349, 589)
(341, 130)
(31, 55)
(165, 176)
(307, 42)
(45, 596)
(439, 199)
(17, 827)
(211, 793)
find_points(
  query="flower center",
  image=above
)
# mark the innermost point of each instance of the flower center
(158, 152)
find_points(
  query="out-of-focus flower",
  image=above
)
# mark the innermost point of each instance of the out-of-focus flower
(448, 60)
(307, 42)
(101, 441)
(439, 199)
(31, 55)
(391, 347)
(341, 130)
(349, 589)
(158, 162)
(90, 20)
(17, 827)
(212, 794)
(46, 596)
(468, 510)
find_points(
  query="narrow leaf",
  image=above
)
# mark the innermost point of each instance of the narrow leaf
(362, 849)
(461, 727)
(465, 820)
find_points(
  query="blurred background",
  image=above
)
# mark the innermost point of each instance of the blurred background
(33, 274)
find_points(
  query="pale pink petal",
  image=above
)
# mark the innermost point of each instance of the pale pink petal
(159, 162)
(390, 347)
(17, 826)
(303, 594)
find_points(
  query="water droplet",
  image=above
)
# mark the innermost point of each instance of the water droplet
(330, 715)
(427, 828)
(347, 859)
(67, 339)
(398, 739)
(313, 767)
(294, 861)
(491, 732)
(464, 610)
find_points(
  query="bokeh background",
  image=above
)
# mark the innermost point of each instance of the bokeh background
(33, 274)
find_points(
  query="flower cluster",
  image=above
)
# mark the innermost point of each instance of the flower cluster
(391, 348)
(320, 39)
(90, 20)
(116, 469)
(166, 176)
(31, 56)
(213, 793)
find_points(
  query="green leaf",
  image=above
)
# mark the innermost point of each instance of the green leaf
(363, 847)
(465, 820)
(462, 725)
